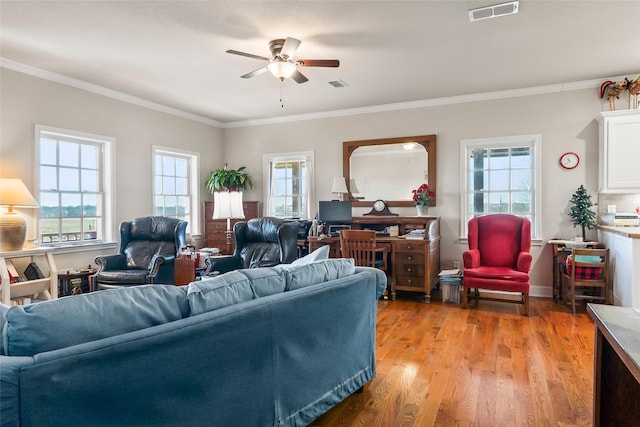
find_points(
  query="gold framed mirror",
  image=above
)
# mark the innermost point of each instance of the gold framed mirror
(389, 169)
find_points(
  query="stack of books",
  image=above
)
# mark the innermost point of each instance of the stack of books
(415, 234)
(450, 284)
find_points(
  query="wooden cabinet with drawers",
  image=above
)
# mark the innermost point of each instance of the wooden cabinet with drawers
(215, 229)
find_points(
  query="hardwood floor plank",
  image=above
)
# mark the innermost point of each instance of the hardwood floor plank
(438, 364)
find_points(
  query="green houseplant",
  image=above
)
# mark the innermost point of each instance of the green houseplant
(581, 213)
(226, 179)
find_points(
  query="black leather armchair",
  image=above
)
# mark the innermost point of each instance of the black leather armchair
(260, 242)
(148, 247)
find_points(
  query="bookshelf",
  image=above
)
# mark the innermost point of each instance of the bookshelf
(46, 288)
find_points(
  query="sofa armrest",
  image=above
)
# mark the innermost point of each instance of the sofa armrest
(110, 262)
(223, 264)
(471, 258)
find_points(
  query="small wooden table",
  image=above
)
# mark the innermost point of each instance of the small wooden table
(616, 376)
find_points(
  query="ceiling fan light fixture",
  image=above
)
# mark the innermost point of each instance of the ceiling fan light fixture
(282, 69)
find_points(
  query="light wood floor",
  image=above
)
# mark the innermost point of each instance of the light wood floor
(439, 364)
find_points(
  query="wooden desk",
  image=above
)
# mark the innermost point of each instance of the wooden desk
(616, 376)
(414, 264)
(560, 251)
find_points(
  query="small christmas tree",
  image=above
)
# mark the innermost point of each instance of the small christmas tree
(581, 213)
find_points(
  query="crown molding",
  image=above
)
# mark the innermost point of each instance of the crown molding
(101, 90)
(435, 102)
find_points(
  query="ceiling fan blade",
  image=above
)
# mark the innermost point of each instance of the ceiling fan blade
(248, 55)
(318, 62)
(289, 47)
(254, 73)
(299, 77)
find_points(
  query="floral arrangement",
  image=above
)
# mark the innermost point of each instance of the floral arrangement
(422, 195)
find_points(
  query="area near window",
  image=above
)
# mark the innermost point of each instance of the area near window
(74, 186)
(501, 175)
(288, 179)
(175, 185)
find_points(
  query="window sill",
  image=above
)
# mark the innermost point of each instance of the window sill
(81, 247)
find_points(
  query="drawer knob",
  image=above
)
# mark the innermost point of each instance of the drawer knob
(409, 270)
(409, 257)
(409, 281)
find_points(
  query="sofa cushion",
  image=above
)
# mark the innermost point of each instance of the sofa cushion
(232, 288)
(300, 276)
(50, 325)
(318, 255)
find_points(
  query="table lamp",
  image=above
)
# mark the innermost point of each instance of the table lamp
(339, 187)
(13, 227)
(227, 205)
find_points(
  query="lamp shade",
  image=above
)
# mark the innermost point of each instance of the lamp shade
(339, 185)
(14, 193)
(227, 204)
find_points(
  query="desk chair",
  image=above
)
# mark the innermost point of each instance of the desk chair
(361, 246)
(587, 273)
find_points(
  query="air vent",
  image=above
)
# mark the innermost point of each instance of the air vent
(338, 83)
(494, 11)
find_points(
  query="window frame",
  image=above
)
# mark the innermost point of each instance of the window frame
(308, 157)
(193, 174)
(106, 181)
(534, 142)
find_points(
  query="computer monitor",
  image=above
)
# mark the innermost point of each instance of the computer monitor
(335, 212)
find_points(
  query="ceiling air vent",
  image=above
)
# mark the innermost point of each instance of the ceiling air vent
(338, 83)
(494, 11)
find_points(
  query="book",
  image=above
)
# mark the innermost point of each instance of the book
(451, 272)
(33, 272)
(13, 273)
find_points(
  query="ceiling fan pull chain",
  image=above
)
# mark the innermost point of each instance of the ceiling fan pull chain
(282, 94)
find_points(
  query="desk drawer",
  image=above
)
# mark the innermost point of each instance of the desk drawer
(409, 246)
(408, 258)
(409, 269)
(411, 282)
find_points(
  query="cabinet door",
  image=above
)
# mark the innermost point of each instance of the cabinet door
(620, 151)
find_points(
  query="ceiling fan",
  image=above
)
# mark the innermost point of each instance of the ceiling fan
(281, 64)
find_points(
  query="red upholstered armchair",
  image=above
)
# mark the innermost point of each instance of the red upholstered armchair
(498, 258)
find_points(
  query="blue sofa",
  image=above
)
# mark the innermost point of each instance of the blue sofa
(272, 346)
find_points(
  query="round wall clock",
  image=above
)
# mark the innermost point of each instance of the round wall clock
(569, 160)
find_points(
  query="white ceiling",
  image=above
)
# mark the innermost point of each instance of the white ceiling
(173, 52)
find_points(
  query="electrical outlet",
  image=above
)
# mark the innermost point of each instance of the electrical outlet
(456, 264)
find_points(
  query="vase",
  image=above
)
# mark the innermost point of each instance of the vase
(422, 210)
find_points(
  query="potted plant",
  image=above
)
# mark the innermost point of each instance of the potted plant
(226, 179)
(581, 213)
(422, 197)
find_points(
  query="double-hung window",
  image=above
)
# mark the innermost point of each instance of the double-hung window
(288, 182)
(175, 188)
(501, 175)
(74, 186)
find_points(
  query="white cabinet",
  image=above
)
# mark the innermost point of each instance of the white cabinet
(624, 248)
(619, 151)
(46, 288)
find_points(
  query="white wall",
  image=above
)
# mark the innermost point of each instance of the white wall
(565, 120)
(27, 100)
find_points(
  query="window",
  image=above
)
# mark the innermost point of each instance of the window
(175, 188)
(289, 184)
(74, 186)
(501, 175)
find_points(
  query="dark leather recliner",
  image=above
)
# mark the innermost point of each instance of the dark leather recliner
(148, 247)
(260, 242)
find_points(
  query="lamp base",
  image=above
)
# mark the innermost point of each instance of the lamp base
(13, 232)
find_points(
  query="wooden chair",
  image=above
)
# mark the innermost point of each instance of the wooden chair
(587, 275)
(361, 246)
